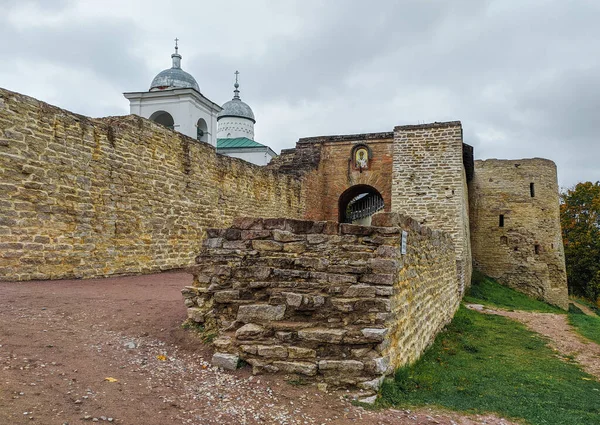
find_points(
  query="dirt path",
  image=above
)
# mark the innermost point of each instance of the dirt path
(588, 311)
(59, 340)
(563, 337)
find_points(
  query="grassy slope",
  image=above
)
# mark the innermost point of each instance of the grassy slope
(588, 326)
(485, 290)
(486, 363)
(587, 303)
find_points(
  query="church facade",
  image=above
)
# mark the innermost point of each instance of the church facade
(175, 101)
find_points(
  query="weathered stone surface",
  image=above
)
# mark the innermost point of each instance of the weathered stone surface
(226, 361)
(291, 299)
(226, 296)
(379, 279)
(343, 366)
(284, 336)
(355, 291)
(374, 334)
(272, 351)
(332, 336)
(301, 353)
(260, 313)
(267, 245)
(303, 368)
(255, 234)
(382, 365)
(344, 304)
(373, 384)
(294, 247)
(368, 400)
(196, 314)
(222, 343)
(250, 349)
(249, 331)
(283, 236)
(360, 352)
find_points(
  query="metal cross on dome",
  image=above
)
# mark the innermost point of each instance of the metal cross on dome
(176, 47)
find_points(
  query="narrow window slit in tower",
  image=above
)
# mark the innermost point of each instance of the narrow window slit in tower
(537, 248)
(501, 223)
(531, 190)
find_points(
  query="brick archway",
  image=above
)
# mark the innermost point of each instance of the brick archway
(372, 201)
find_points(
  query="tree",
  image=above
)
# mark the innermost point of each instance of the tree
(580, 222)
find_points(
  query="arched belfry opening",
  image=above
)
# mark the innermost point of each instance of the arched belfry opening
(359, 203)
(163, 118)
(201, 130)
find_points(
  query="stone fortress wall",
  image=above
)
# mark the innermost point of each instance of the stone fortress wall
(83, 197)
(331, 302)
(515, 226)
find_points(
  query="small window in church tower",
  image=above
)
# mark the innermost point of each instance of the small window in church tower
(537, 248)
(531, 190)
(501, 221)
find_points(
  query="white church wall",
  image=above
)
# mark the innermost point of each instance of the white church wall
(254, 156)
(184, 108)
(233, 127)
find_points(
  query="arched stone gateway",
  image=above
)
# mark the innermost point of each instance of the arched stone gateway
(358, 204)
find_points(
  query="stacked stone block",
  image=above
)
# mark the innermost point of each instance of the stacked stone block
(333, 303)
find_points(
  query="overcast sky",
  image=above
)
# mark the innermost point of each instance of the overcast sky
(523, 76)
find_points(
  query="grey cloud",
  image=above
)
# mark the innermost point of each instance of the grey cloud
(520, 75)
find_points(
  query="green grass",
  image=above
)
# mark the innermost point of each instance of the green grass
(485, 290)
(588, 326)
(487, 363)
(589, 304)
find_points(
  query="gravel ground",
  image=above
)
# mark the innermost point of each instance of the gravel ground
(113, 351)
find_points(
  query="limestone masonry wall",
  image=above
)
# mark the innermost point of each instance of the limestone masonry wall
(329, 302)
(429, 184)
(523, 249)
(83, 197)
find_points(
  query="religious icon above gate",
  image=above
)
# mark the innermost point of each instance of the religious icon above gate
(361, 157)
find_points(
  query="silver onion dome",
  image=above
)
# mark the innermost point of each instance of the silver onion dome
(235, 107)
(174, 77)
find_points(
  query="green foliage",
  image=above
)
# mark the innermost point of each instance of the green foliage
(588, 326)
(190, 325)
(580, 222)
(297, 381)
(207, 335)
(487, 363)
(485, 290)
